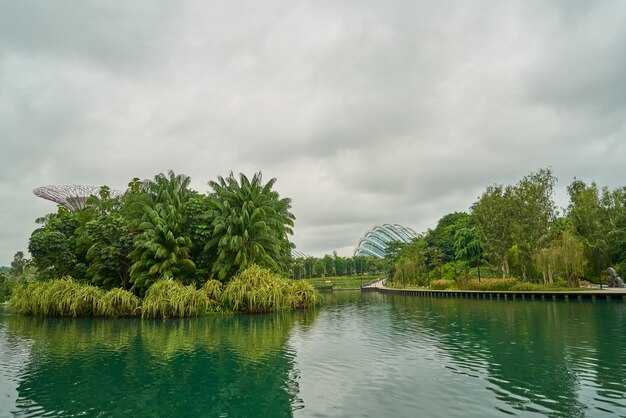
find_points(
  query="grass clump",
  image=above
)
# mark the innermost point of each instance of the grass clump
(58, 297)
(213, 289)
(168, 298)
(257, 290)
(118, 302)
(303, 294)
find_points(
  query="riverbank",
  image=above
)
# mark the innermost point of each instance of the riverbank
(580, 294)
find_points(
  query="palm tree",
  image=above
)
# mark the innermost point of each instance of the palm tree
(161, 249)
(251, 224)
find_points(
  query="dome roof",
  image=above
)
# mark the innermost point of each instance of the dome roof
(376, 239)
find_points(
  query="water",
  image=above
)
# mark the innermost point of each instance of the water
(360, 355)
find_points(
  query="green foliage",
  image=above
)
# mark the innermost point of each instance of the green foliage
(251, 224)
(213, 289)
(7, 284)
(599, 218)
(492, 214)
(257, 290)
(118, 302)
(57, 297)
(19, 263)
(161, 250)
(443, 237)
(303, 294)
(444, 284)
(168, 298)
(109, 240)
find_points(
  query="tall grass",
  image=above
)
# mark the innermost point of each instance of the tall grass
(257, 290)
(169, 298)
(303, 294)
(118, 302)
(59, 297)
(213, 289)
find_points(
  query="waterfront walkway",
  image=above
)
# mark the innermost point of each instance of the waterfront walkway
(591, 294)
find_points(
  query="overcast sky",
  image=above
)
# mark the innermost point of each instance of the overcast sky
(366, 111)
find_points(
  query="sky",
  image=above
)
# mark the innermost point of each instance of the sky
(366, 112)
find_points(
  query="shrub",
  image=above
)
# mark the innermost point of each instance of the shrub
(303, 294)
(213, 289)
(494, 285)
(118, 302)
(58, 297)
(257, 290)
(168, 298)
(442, 284)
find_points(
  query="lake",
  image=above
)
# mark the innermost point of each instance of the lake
(359, 355)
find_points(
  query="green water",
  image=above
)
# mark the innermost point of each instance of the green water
(360, 355)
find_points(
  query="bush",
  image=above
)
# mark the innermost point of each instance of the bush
(118, 302)
(257, 290)
(213, 289)
(493, 285)
(58, 297)
(303, 294)
(167, 298)
(442, 284)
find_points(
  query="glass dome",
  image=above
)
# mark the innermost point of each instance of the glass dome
(376, 239)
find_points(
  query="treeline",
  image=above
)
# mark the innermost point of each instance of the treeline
(162, 229)
(334, 265)
(517, 231)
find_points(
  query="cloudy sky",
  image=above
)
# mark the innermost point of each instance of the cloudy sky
(366, 111)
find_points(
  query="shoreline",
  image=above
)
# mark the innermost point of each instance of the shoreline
(596, 294)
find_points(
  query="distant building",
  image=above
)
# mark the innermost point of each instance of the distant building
(376, 239)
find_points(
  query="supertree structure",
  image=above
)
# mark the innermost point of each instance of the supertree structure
(72, 196)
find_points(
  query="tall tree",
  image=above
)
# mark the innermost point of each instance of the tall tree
(251, 224)
(533, 211)
(492, 214)
(161, 249)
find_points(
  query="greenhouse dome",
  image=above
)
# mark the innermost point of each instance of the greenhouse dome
(376, 239)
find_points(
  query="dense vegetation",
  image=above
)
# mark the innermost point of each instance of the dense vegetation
(167, 244)
(162, 230)
(517, 232)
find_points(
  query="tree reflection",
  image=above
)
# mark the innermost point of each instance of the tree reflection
(211, 366)
(534, 354)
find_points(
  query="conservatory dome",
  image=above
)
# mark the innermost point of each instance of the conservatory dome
(376, 239)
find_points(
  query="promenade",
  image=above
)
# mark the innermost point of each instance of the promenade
(591, 294)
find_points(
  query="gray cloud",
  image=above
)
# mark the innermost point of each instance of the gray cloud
(366, 112)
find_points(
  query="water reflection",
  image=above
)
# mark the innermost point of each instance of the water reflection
(553, 358)
(360, 355)
(214, 366)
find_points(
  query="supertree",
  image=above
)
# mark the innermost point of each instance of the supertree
(71, 196)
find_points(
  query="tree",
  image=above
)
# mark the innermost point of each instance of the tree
(161, 249)
(19, 263)
(533, 210)
(443, 236)
(251, 225)
(492, 215)
(599, 219)
(467, 247)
